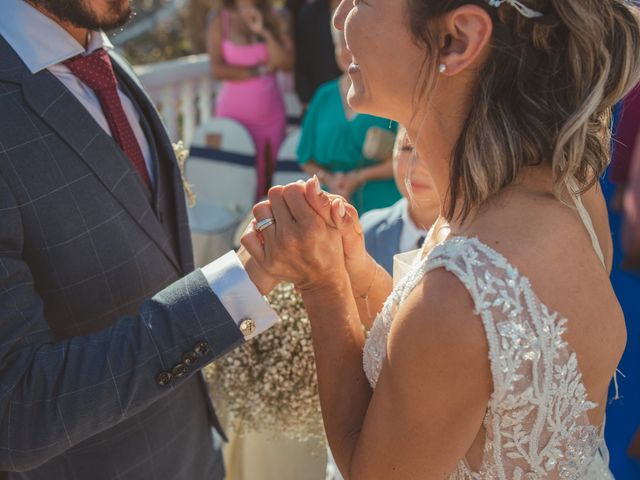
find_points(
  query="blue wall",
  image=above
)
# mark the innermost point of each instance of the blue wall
(623, 416)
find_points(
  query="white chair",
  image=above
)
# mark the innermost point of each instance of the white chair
(221, 170)
(294, 110)
(287, 169)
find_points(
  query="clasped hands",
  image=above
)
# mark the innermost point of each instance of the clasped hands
(315, 242)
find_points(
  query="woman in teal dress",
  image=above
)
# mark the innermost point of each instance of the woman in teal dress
(332, 142)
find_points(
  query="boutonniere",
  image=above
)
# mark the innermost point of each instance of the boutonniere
(182, 154)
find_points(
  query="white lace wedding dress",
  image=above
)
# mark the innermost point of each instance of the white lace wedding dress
(536, 421)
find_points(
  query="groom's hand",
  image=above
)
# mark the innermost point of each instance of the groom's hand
(261, 279)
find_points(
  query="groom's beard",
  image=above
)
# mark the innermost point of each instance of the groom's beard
(80, 14)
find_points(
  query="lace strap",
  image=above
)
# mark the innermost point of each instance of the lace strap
(496, 290)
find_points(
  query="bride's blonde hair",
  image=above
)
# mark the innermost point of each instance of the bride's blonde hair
(543, 96)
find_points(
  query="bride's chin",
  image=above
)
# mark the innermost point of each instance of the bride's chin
(359, 101)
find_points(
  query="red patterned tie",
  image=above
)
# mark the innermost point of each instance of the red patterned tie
(96, 72)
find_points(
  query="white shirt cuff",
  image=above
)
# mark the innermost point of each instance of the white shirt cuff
(237, 293)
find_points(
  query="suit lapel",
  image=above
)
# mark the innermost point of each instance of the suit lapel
(166, 162)
(66, 116)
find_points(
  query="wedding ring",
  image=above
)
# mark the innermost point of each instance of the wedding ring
(264, 224)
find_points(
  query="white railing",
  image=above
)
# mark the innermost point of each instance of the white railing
(183, 90)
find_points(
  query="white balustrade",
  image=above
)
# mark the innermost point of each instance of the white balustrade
(183, 90)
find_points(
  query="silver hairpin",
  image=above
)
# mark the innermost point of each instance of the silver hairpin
(519, 6)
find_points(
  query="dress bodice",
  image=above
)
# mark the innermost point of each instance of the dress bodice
(536, 423)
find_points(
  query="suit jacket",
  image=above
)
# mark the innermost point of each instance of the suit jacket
(382, 229)
(103, 324)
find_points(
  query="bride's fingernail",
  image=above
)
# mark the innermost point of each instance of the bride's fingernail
(341, 210)
(315, 183)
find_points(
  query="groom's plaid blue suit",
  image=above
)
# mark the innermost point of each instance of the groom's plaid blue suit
(83, 250)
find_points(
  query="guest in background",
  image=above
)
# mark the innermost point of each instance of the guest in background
(625, 174)
(630, 235)
(403, 226)
(625, 139)
(315, 61)
(333, 139)
(294, 7)
(249, 44)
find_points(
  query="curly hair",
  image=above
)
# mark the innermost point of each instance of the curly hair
(544, 95)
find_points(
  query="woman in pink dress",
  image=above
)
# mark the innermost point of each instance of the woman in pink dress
(249, 44)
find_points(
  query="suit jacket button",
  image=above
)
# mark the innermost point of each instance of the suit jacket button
(247, 327)
(180, 370)
(189, 358)
(164, 378)
(202, 348)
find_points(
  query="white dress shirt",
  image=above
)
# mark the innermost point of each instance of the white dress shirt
(43, 44)
(411, 233)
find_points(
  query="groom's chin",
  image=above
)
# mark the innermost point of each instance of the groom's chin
(89, 14)
(112, 14)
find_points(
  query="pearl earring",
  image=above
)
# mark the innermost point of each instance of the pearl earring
(442, 68)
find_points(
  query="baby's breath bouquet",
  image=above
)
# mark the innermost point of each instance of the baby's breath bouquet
(269, 384)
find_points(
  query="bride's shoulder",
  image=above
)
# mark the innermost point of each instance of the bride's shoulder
(541, 237)
(437, 324)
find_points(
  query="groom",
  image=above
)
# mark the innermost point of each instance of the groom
(103, 324)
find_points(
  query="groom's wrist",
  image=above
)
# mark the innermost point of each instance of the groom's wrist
(239, 295)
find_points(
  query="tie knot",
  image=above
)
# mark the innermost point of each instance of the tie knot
(94, 70)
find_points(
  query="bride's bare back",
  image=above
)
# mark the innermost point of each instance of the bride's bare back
(549, 244)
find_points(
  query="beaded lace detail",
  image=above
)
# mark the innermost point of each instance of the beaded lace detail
(536, 423)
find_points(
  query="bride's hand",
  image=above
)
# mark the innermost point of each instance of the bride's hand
(300, 247)
(360, 265)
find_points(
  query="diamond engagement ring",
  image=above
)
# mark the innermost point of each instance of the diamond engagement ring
(264, 224)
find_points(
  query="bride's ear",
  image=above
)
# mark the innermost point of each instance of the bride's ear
(466, 37)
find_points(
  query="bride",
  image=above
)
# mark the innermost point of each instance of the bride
(492, 357)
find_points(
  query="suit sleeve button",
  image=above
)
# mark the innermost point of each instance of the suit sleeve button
(164, 378)
(189, 358)
(202, 348)
(247, 327)
(180, 370)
